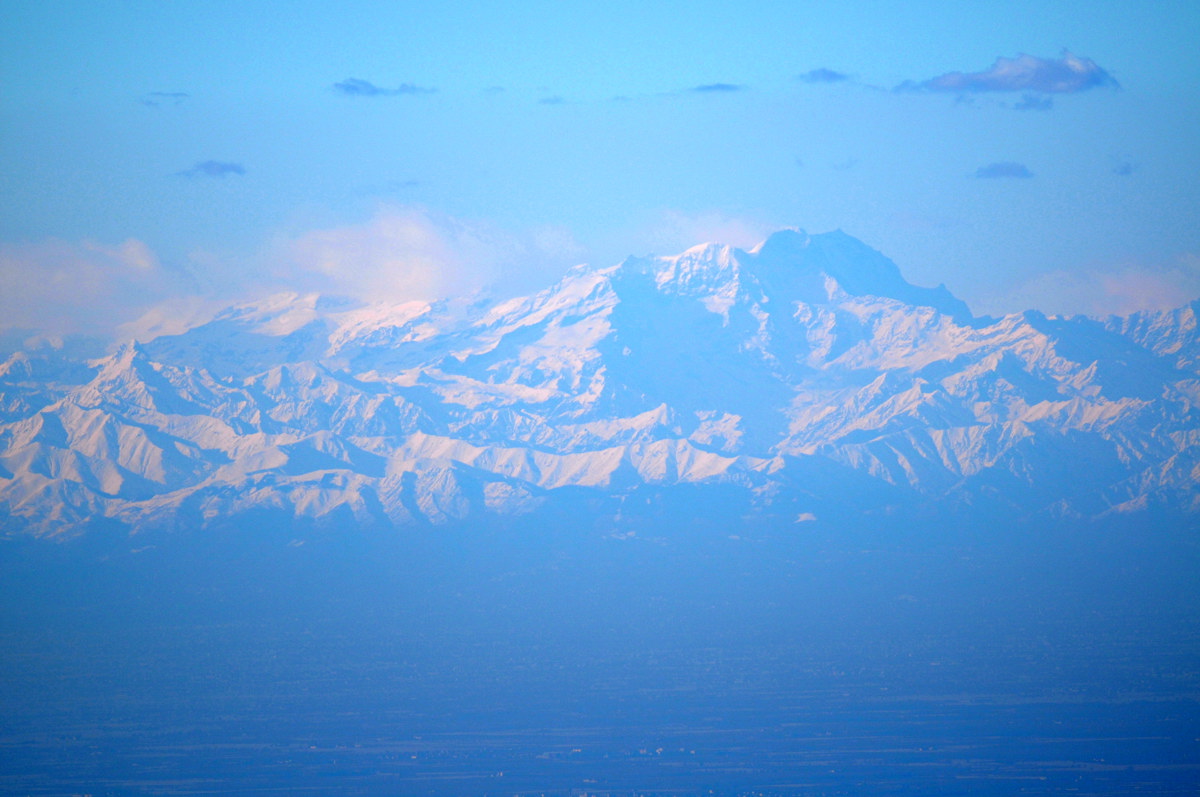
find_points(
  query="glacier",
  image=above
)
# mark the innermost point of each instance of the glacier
(799, 380)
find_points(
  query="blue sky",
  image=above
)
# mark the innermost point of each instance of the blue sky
(178, 154)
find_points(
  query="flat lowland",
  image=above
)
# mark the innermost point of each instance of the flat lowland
(537, 661)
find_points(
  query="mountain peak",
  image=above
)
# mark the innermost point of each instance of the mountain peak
(786, 244)
(794, 265)
(743, 372)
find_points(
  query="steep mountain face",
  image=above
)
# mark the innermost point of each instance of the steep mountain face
(801, 379)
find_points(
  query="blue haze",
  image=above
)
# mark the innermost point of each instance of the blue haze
(628, 158)
(159, 161)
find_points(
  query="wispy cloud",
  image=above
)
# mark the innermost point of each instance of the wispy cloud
(823, 75)
(398, 254)
(157, 99)
(405, 254)
(1116, 289)
(357, 87)
(1003, 169)
(61, 287)
(1124, 168)
(718, 88)
(1034, 102)
(1067, 74)
(213, 169)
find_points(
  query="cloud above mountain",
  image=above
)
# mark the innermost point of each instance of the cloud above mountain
(824, 75)
(1114, 290)
(214, 169)
(1067, 74)
(397, 254)
(717, 88)
(357, 87)
(405, 253)
(90, 287)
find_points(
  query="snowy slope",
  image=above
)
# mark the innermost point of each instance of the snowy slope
(804, 376)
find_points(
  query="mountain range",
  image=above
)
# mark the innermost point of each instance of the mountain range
(799, 381)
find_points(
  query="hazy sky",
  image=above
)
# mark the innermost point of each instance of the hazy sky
(1027, 154)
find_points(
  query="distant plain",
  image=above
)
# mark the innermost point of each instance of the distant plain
(534, 658)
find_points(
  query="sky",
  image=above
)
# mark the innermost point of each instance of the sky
(158, 159)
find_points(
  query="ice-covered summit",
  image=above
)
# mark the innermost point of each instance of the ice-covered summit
(802, 378)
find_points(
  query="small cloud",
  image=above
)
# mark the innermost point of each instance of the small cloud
(409, 88)
(213, 169)
(1067, 74)
(718, 88)
(1032, 102)
(1003, 169)
(824, 75)
(554, 100)
(157, 99)
(356, 87)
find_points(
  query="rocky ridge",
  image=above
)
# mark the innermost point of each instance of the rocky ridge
(800, 378)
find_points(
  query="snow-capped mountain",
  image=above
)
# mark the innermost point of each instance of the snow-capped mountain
(801, 378)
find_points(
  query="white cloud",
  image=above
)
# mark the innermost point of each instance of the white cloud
(393, 256)
(404, 254)
(1115, 291)
(132, 254)
(1137, 289)
(1064, 75)
(60, 287)
(398, 254)
(171, 316)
